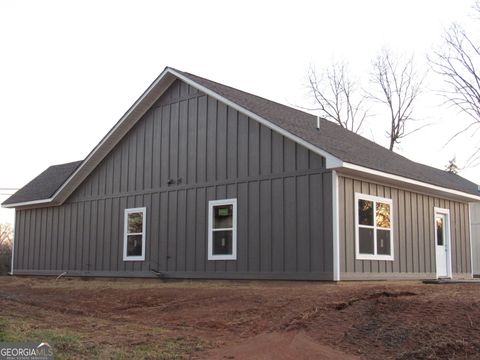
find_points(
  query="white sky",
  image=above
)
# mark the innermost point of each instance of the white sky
(70, 69)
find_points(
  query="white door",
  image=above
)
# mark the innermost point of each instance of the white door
(442, 243)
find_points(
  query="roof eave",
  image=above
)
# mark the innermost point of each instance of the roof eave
(401, 181)
(32, 203)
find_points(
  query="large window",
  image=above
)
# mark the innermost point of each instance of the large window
(134, 237)
(222, 229)
(373, 229)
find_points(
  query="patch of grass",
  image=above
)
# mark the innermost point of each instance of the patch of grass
(72, 345)
(66, 344)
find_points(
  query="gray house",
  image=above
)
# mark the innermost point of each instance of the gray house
(201, 180)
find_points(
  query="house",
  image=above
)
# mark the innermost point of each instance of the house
(201, 180)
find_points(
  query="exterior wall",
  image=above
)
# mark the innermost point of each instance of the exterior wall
(207, 151)
(475, 217)
(413, 234)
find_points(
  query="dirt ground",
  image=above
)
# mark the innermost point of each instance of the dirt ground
(154, 319)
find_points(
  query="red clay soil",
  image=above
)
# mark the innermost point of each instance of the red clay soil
(254, 320)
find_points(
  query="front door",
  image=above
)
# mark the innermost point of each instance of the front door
(442, 242)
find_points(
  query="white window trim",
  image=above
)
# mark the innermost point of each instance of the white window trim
(211, 204)
(142, 210)
(358, 255)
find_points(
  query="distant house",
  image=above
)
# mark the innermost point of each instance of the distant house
(201, 180)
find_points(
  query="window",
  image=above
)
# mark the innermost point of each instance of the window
(222, 229)
(134, 237)
(374, 235)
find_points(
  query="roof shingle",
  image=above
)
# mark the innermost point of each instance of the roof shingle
(45, 184)
(335, 140)
(339, 142)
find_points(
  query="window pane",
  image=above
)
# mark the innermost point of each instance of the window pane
(135, 222)
(365, 241)
(383, 242)
(439, 222)
(383, 215)
(222, 216)
(222, 242)
(365, 212)
(134, 245)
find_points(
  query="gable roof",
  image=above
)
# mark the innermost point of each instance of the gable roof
(44, 185)
(343, 149)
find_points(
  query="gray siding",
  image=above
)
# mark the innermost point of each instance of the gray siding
(207, 151)
(413, 226)
(475, 214)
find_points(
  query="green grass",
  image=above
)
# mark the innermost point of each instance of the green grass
(71, 345)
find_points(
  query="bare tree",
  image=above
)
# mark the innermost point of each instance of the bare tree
(397, 86)
(6, 238)
(458, 63)
(337, 97)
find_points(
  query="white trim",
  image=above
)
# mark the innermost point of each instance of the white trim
(331, 161)
(362, 169)
(336, 227)
(211, 204)
(27, 203)
(142, 210)
(437, 210)
(470, 232)
(375, 256)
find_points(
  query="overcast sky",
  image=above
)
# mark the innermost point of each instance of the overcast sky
(70, 69)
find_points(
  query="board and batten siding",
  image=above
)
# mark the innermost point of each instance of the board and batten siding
(186, 150)
(413, 233)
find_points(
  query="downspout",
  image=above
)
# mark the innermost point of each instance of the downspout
(336, 227)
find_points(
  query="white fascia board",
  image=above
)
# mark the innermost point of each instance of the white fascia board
(405, 180)
(28, 203)
(331, 161)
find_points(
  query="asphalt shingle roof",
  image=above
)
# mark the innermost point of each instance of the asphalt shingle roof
(45, 184)
(339, 142)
